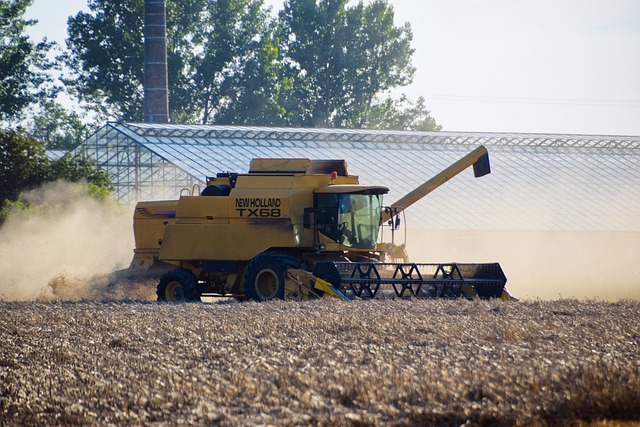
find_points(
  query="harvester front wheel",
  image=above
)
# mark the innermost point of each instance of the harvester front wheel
(265, 276)
(178, 286)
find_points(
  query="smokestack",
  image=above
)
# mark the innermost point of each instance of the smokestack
(156, 86)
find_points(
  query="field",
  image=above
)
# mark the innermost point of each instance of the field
(320, 363)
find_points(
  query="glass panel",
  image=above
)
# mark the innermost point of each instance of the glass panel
(327, 215)
(359, 219)
(353, 220)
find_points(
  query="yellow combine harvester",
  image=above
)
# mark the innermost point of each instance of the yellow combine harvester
(296, 229)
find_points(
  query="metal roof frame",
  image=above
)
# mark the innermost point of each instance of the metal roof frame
(540, 181)
(211, 132)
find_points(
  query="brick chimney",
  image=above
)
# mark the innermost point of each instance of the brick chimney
(156, 86)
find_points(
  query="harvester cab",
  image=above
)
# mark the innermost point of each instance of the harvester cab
(296, 229)
(348, 215)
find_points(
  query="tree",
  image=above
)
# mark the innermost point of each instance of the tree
(24, 165)
(341, 58)
(107, 57)
(320, 63)
(57, 127)
(24, 66)
(253, 98)
(401, 114)
(249, 94)
(209, 44)
(27, 86)
(75, 169)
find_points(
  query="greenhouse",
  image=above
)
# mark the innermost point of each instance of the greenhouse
(538, 181)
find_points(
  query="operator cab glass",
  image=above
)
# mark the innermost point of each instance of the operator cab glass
(351, 219)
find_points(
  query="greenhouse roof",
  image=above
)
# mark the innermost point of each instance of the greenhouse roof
(539, 181)
(55, 154)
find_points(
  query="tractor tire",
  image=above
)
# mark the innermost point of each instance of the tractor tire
(265, 276)
(178, 286)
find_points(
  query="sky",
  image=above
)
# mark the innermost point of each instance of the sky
(533, 66)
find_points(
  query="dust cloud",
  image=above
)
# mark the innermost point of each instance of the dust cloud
(70, 250)
(66, 250)
(546, 260)
(544, 264)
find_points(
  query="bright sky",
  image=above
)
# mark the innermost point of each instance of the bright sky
(543, 66)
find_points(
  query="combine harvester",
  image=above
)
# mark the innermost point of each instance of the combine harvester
(296, 229)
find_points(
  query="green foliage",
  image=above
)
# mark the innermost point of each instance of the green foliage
(24, 166)
(234, 36)
(22, 163)
(252, 94)
(74, 169)
(100, 192)
(24, 67)
(401, 114)
(27, 80)
(341, 58)
(57, 127)
(210, 46)
(57, 197)
(107, 55)
(318, 63)
(12, 208)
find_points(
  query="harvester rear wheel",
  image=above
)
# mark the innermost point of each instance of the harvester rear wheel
(178, 286)
(264, 278)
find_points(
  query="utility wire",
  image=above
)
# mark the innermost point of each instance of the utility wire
(557, 101)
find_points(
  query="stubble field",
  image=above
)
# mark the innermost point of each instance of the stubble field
(319, 363)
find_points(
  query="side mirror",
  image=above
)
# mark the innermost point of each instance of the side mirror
(306, 217)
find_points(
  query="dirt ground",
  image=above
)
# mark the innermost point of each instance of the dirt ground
(320, 363)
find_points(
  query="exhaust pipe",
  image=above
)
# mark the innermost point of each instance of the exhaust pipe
(155, 81)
